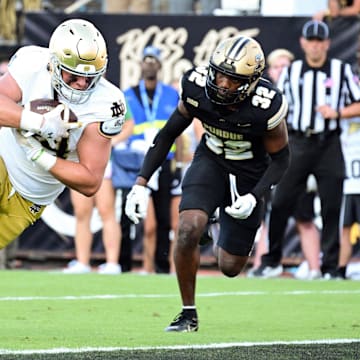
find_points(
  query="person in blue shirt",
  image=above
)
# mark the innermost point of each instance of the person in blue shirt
(151, 103)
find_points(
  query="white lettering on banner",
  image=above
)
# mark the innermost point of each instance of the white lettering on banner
(171, 42)
(212, 38)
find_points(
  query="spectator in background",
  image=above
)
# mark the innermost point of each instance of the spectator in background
(8, 21)
(151, 103)
(127, 6)
(105, 202)
(205, 7)
(125, 164)
(351, 215)
(342, 17)
(338, 8)
(277, 60)
(320, 91)
(3, 67)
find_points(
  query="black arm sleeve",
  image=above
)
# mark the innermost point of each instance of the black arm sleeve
(273, 174)
(162, 143)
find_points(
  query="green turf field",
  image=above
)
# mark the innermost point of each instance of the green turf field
(51, 315)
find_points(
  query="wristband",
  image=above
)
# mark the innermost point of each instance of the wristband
(31, 121)
(179, 164)
(44, 160)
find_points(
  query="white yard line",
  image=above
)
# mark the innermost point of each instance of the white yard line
(176, 347)
(159, 296)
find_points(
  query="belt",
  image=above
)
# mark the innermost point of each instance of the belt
(309, 134)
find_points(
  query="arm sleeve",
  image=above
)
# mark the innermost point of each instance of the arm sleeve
(162, 143)
(273, 174)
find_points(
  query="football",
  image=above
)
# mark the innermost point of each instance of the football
(42, 106)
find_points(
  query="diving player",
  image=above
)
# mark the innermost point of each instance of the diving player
(41, 154)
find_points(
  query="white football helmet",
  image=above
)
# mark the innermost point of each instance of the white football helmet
(77, 47)
(240, 57)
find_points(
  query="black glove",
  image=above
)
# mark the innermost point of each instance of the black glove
(177, 177)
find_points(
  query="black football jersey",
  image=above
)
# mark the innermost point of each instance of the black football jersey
(235, 138)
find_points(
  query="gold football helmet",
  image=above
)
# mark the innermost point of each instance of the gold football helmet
(241, 58)
(76, 46)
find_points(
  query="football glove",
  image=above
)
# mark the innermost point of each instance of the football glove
(242, 207)
(137, 203)
(311, 184)
(36, 153)
(52, 125)
(176, 177)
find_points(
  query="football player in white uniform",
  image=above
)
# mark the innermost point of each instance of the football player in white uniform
(40, 154)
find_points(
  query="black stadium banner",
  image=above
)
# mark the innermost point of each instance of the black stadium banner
(185, 41)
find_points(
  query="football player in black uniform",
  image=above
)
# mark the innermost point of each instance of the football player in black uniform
(243, 152)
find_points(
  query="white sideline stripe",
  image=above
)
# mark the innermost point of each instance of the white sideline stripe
(157, 296)
(176, 347)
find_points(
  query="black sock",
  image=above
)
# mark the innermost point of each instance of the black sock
(189, 311)
(342, 271)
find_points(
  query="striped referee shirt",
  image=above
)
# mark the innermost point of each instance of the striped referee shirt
(306, 88)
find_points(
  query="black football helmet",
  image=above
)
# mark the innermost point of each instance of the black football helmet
(241, 58)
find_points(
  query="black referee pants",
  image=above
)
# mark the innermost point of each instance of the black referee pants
(322, 157)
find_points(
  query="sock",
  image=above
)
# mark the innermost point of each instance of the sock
(342, 271)
(189, 311)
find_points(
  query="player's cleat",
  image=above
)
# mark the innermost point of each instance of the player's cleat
(184, 323)
(266, 272)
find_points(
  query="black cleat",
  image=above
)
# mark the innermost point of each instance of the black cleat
(184, 323)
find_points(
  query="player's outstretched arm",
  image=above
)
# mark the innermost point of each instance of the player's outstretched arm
(85, 176)
(177, 123)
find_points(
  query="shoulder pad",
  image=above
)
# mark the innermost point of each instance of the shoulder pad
(114, 125)
(111, 127)
(196, 76)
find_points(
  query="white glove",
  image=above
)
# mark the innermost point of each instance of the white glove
(36, 153)
(137, 203)
(311, 184)
(242, 207)
(52, 126)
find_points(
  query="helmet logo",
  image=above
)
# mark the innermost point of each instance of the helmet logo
(258, 60)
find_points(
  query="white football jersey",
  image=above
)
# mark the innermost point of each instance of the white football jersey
(106, 105)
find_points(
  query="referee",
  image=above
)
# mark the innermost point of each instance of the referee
(320, 92)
